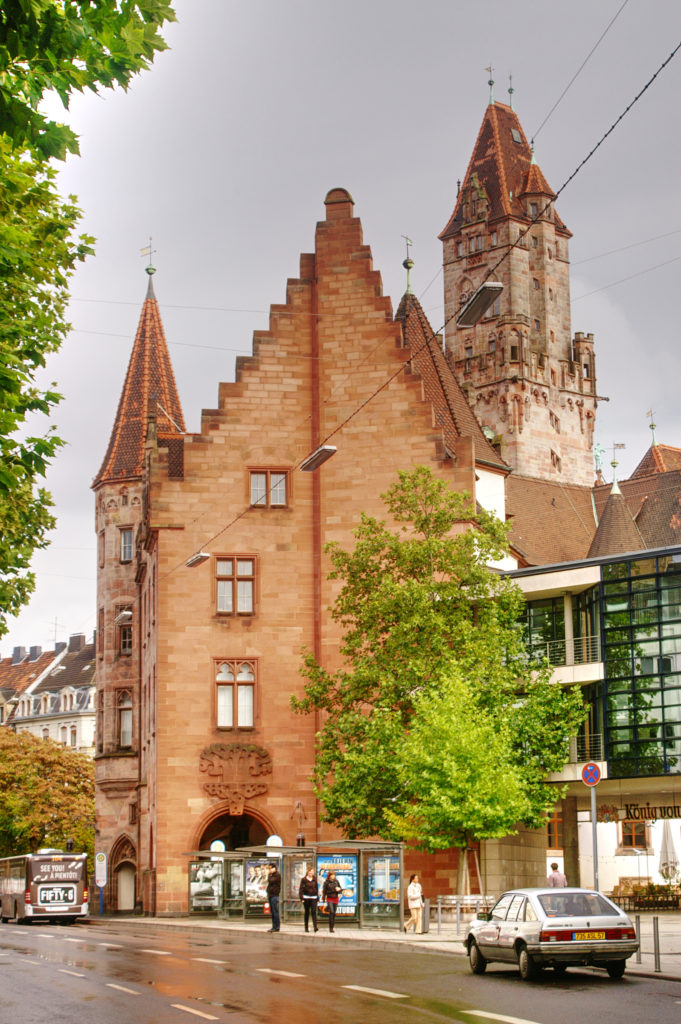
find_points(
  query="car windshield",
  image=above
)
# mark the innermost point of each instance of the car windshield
(576, 904)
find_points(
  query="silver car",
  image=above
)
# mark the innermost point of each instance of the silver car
(556, 928)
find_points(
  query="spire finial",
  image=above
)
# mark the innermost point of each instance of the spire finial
(651, 416)
(148, 251)
(532, 161)
(614, 463)
(511, 90)
(408, 263)
(490, 83)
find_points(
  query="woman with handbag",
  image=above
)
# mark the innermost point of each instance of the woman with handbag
(331, 892)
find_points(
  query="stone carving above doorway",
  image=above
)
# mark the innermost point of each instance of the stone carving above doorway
(236, 772)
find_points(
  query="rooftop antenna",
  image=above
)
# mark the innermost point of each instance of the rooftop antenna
(148, 251)
(490, 83)
(511, 90)
(408, 263)
(55, 626)
(651, 416)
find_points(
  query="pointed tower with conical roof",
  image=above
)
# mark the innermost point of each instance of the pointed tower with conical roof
(531, 385)
(149, 402)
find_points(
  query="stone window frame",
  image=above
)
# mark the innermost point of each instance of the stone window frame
(228, 583)
(126, 545)
(124, 718)
(264, 497)
(233, 677)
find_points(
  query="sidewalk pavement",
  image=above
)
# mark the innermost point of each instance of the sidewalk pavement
(446, 941)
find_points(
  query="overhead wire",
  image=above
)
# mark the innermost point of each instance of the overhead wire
(581, 67)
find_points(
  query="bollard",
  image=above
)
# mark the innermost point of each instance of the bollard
(656, 943)
(439, 915)
(637, 926)
(458, 916)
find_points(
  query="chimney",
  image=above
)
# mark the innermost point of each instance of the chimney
(76, 642)
(59, 646)
(18, 655)
(35, 653)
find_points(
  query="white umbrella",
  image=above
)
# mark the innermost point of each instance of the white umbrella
(669, 862)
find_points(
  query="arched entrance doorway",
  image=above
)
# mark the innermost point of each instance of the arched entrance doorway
(125, 887)
(234, 830)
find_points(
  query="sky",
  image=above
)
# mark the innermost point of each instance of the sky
(224, 151)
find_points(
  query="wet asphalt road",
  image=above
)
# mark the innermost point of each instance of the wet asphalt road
(120, 974)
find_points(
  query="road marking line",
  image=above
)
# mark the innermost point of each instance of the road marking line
(207, 960)
(197, 1013)
(110, 945)
(75, 974)
(157, 952)
(284, 974)
(499, 1016)
(74, 940)
(377, 992)
(122, 988)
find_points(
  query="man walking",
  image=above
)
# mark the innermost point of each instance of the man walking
(556, 879)
(273, 891)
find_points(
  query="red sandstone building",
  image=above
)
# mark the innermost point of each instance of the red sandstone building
(211, 572)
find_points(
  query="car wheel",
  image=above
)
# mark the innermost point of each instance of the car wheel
(616, 968)
(526, 965)
(477, 960)
(559, 969)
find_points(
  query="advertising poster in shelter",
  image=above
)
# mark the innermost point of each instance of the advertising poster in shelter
(257, 874)
(345, 866)
(384, 879)
(205, 884)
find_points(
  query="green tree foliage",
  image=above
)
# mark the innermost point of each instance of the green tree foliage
(46, 795)
(67, 46)
(437, 728)
(46, 47)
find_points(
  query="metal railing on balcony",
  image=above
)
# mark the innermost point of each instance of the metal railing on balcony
(587, 748)
(580, 651)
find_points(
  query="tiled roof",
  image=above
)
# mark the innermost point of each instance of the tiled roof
(74, 670)
(16, 678)
(552, 522)
(149, 382)
(655, 503)
(502, 161)
(451, 409)
(658, 459)
(617, 532)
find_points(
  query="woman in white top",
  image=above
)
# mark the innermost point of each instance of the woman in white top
(415, 904)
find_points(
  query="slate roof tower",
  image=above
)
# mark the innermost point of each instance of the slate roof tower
(531, 385)
(149, 406)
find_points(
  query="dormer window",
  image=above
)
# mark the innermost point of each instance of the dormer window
(516, 136)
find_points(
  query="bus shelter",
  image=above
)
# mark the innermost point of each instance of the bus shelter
(233, 884)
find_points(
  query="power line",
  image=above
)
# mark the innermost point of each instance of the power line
(623, 248)
(639, 273)
(581, 67)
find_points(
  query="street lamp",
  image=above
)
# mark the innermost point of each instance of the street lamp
(479, 303)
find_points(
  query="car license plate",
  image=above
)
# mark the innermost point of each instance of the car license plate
(585, 936)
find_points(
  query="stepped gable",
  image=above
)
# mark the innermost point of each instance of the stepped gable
(660, 458)
(552, 522)
(617, 532)
(452, 411)
(149, 383)
(503, 163)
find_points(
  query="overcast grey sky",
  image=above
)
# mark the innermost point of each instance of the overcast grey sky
(224, 152)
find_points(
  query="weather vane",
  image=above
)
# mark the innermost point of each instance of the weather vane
(490, 83)
(408, 263)
(511, 90)
(651, 416)
(148, 251)
(614, 463)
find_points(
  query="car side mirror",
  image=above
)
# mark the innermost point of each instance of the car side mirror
(484, 915)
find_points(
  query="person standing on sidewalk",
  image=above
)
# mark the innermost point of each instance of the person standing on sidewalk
(556, 879)
(415, 904)
(273, 892)
(309, 894)
(331, 891)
